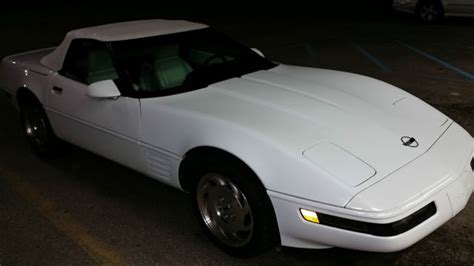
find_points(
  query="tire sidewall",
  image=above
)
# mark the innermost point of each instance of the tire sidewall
(48, 148)
(264, 231)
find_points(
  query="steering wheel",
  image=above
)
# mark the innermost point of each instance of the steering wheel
(211, 58)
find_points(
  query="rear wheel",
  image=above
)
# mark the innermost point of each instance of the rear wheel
(430, 11)
(234, 208)
(37, 128)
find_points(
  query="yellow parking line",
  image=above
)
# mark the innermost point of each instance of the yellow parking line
(97, 249)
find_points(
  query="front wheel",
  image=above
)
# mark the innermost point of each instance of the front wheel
(225, 210)
(235, 210)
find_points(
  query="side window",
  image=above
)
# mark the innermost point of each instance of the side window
(153, 64)
(88, 61)
(162, 68)
(170, 69)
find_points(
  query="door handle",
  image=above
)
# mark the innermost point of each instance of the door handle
(57, 90)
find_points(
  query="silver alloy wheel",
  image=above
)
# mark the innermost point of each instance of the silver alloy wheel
(35, 125)
(429, 12)
(225, 210)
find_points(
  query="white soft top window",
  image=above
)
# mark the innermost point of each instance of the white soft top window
(117, 32)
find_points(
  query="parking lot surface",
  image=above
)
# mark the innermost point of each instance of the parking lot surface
(81, 209)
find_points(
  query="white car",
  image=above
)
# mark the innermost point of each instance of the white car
(434, 10)
(272, 154)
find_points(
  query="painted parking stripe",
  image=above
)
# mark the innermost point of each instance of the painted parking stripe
(439, 61)
(372, 58)
(96, 249)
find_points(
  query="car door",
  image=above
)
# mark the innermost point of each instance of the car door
(108, 127)
(459, 7)
(156, 69)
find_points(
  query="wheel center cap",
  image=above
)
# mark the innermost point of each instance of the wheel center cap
(226, 212)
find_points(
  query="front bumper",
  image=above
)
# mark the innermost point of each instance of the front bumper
(296, 232)
(450, 195)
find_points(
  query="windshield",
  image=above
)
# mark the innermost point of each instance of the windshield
(175, 63)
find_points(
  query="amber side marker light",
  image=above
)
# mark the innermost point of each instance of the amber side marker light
(310, 216)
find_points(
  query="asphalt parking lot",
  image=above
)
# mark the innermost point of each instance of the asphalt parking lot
(81, 209)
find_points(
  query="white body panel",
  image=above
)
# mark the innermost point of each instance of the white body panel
(281, 123)
(278, 114)
(105, 126)
(390, 201)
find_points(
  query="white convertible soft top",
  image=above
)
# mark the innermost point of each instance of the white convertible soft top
(117, 32)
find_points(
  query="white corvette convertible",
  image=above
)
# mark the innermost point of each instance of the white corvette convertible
(272, 154)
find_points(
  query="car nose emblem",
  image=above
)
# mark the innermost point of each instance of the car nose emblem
(410, 142)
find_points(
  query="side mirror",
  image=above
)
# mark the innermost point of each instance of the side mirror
(258, 52)
(105, 89)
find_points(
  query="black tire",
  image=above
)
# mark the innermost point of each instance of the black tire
(430, 11)
(37, 128)
(264, 233)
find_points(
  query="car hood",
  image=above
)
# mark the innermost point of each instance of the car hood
(297, 108)
(298, 128)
